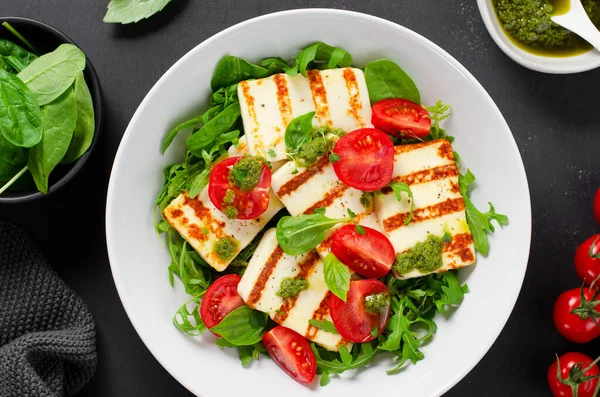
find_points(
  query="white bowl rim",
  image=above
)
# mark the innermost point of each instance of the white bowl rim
(570, 64)
(119, 159)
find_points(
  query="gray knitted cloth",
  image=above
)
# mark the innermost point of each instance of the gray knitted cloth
(47, 334)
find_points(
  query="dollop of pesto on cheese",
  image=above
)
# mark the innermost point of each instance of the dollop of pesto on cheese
(321, 142)
(291, 287)
(425, 256)
(377, 303)
(226, 247)
(246, 173)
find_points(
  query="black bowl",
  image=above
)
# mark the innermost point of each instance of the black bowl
(46, 38)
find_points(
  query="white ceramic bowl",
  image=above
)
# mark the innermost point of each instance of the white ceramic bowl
(139, 261)
(556, 65)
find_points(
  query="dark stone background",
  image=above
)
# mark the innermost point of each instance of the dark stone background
(555, 120)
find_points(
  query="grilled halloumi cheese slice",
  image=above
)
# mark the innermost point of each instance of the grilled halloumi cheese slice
(262, 279)
(202, 225)
(338, 96)
(432, 174)
(242, 150)
(318, 186)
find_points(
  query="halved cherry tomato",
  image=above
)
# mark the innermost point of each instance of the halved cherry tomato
(250, 204)
(597, 206)
(292, 353)
(567, 361)
(220, 299)
(587, 259)
(371, 255)
(574, 317)
(351, 318)
(401, 117)
(366, 159)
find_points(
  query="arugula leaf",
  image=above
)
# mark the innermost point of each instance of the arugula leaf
(20, 115)
(249, 353)
(452, 292)
(219, 124)
(328, 362)
(51, 74)
(131, 11)
(242, 327)
(59, 119)
(188, 320)
(85, 126)
(479, 223)
(298, 132)
(321, 54)
(402, 187)
(387, 80)
(231, 70)
(337, 276)
(298, 235)
(437, 113)
(360, 230)
(323, 325)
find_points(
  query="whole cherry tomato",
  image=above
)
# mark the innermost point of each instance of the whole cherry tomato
(576, 313)
(575, 380)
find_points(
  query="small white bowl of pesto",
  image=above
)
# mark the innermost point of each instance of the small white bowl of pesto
(524, 31)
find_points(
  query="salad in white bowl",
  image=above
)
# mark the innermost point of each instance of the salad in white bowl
(318, 214)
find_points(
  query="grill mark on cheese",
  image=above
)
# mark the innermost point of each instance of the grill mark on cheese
(329, 198)
(449, 206)
(176, 213)
(424, 176)
(250, 104)
(184, 221)
(293, 184)
(444, 147)
(445, 151)
(283, 98)
(460, 246)
(354, 102)
(306, 267)
(263, 277)
(319, 314)
(319, 95)
(205, 216)
(195, 232)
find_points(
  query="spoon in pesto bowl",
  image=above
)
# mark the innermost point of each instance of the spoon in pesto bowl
(578, 22)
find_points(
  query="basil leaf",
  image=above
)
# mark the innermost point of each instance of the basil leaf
(20, 115)
(323, 325)
(59, 119)
(52, 73)
(242, 327)
(12, 160)
(298, 235)
(337, 276)
(321, 54)
(400, 188)
(16, 56)
(131, 11)
(386, 80)
(298, 132)
(220, 124)
(85, 126)
(231, 70)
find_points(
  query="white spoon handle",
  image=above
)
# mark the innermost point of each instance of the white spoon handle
(577, 21)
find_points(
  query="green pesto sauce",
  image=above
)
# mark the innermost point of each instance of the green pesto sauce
(231, 212)
(246, 173)
(311, 151)
(229, 197)
(225, 247)
(425, 256)
(376, 303)
(528, 25)
(366, 199)
(323, 131)
(291, 287)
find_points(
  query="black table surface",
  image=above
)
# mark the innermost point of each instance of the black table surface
(555, 120)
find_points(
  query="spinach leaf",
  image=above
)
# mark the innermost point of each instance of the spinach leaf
(12, 159)
(19, 36)
(479, 222)
(131, 11)
(323, 325)
(203, 118)
(321, 54)
(242, 327)
(231, 70)
(20, 116)
(337, 276)
(51, 74)
(59, 119)
(277, 65)
(84, 129)
(298, 235)
(386, 80)
(402, 187)
(298, 132)
(220, 124)
(14, 55)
